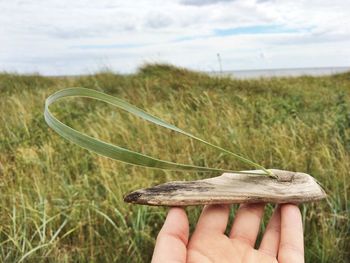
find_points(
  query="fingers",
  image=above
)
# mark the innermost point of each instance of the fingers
(173, 238)
(291, 248)
(247, 223)
(271, 239)
(213, 219)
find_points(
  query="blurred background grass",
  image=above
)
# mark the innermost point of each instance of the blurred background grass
(61, 203)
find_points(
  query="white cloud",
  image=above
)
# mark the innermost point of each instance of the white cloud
(72, 37)
(203, 2)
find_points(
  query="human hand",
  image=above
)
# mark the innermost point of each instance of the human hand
(282, 241)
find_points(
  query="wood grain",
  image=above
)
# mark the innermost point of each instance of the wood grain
(230, 188)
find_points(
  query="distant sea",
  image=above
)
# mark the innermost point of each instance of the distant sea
(288, 72)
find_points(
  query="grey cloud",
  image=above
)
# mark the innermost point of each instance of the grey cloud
(81, 31)
(204, 2)
(158, 21)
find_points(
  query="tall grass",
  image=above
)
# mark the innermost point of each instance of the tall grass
(61, 203)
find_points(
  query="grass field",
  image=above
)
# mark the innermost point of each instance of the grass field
(61, 203)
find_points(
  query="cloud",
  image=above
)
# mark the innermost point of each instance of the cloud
(204, 2)
(157, 21)
(73, 37)
(257, 29)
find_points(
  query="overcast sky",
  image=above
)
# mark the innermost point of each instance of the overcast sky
(73, 37)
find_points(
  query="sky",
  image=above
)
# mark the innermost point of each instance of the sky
(79, 37)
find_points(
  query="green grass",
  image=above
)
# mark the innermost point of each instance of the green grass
(61, 203)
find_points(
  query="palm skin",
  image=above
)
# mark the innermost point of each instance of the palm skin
(282, 240)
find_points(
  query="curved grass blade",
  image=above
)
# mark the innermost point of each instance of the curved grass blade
(122, 154)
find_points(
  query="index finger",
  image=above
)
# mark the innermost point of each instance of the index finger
(173, 237)
(291, 248)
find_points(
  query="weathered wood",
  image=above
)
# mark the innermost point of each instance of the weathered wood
(230, 188)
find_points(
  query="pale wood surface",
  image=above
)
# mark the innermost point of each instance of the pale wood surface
(230, 188)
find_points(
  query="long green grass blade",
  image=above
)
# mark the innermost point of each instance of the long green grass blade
(122, 154)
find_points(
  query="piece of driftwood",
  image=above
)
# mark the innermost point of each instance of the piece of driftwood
(231, 188)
